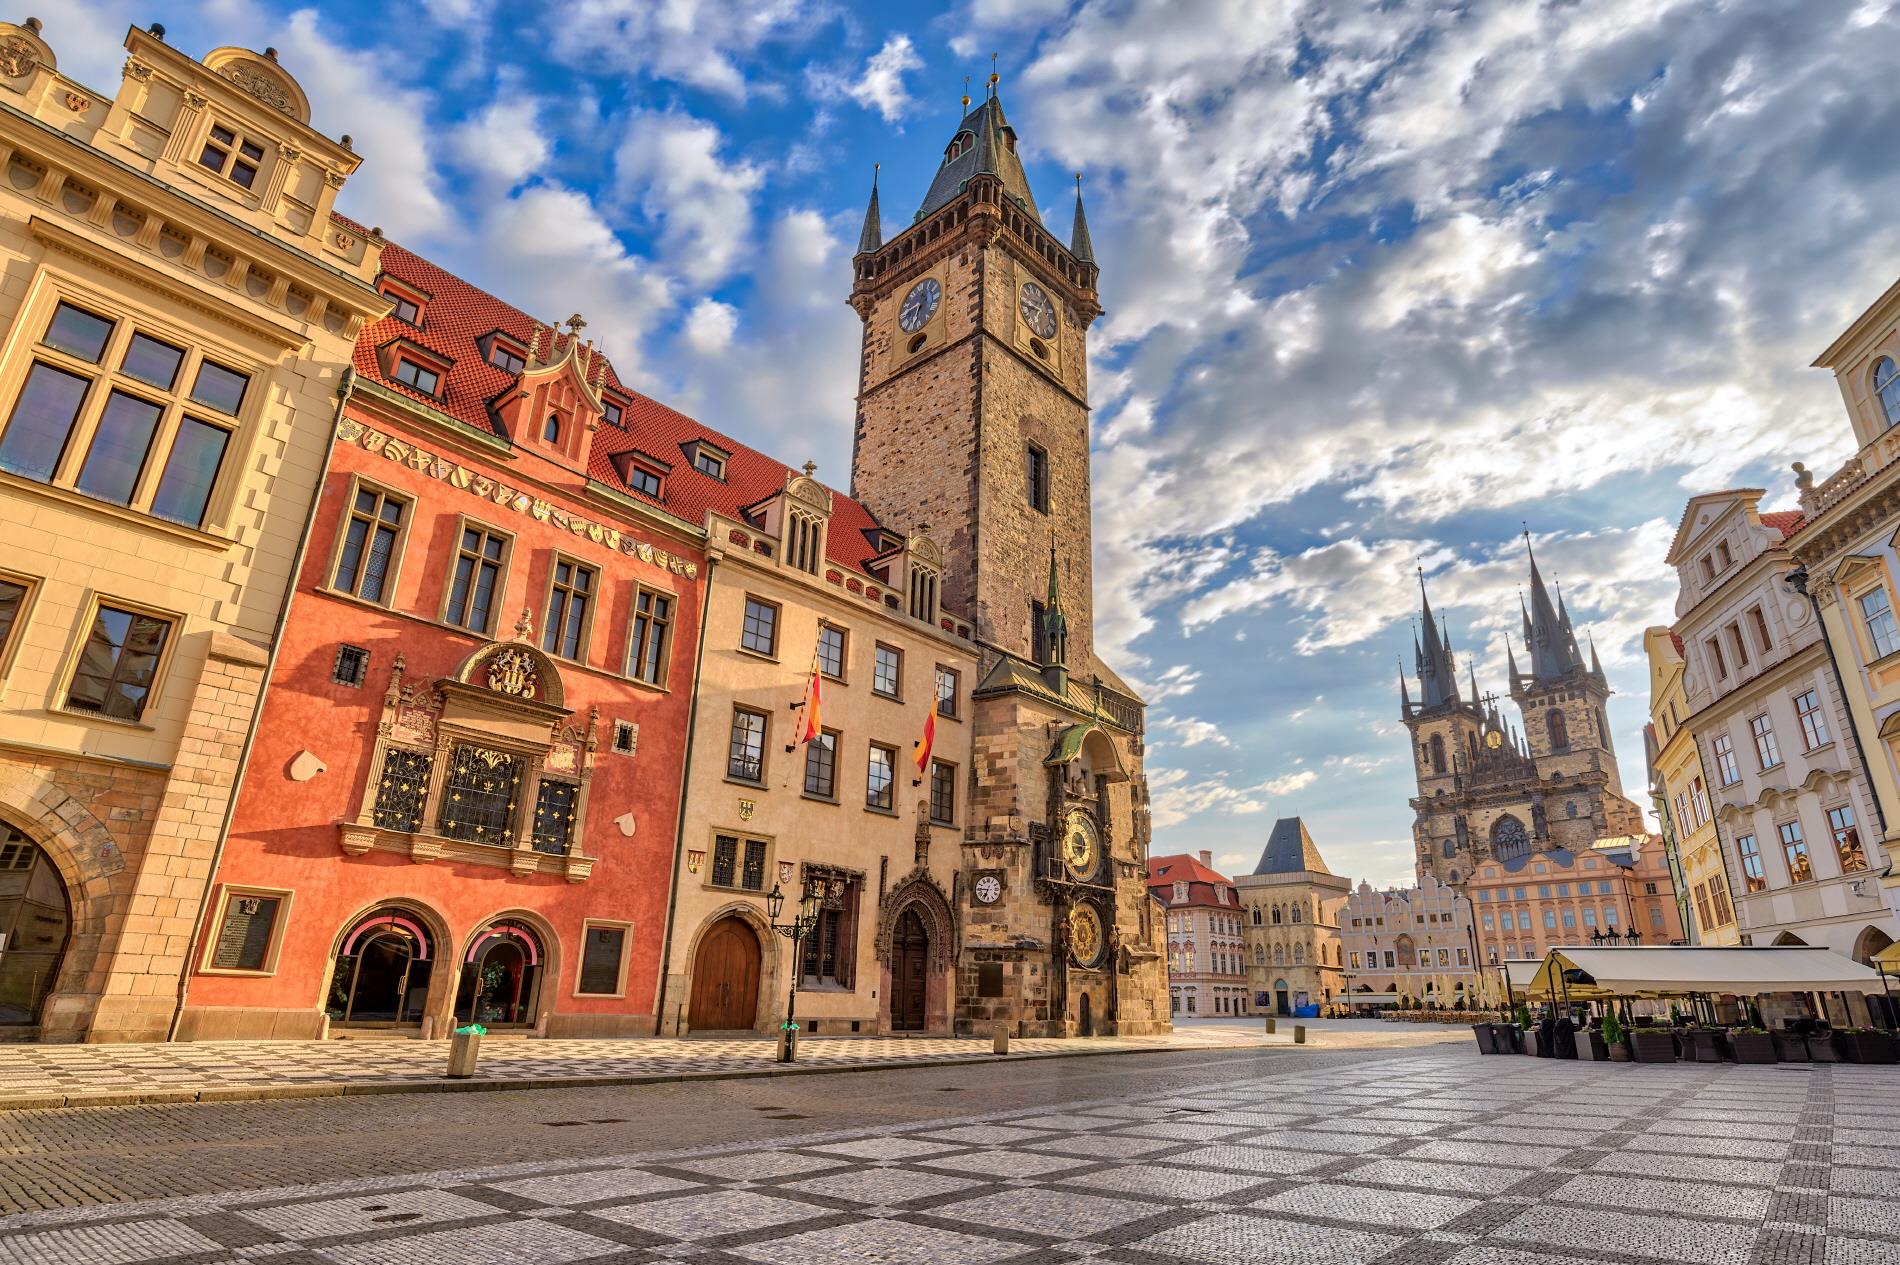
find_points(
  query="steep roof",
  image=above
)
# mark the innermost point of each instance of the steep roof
(459, 314)
(993, 150)
(1183, 868)
(1290, 850)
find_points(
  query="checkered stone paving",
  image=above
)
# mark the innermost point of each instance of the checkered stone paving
(1438, 1160)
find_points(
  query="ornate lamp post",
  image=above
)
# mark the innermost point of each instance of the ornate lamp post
(801, 925)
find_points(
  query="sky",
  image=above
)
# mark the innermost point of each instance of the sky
(1387, 283)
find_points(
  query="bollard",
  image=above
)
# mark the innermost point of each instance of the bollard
(788, 1043)
(999, 1040)
(1272, 1026)
(1299, 1034)
(464, 1047)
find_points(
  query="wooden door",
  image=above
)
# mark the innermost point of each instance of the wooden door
(910, 956)
(725, 979)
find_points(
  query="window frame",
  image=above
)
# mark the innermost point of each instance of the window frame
(1036, 476)
(16, 635)
(1794, 846)
(1814, 730)
(214, 924)
(592, 596)
(1761, 728)
(765, 744)
(464, 524)
(76, 651)
(1890, 636)
(1879, 386)
(956, 689)
(626, 955)
(890, 788)
(233, 153)
(949, 771)
(896, 695)
(392, 575)
(828, 740)
(748, 600)
(844, 651)
(1755, 875)
(1727, 767)
(637, 643)
(433, 391)
(767, 843)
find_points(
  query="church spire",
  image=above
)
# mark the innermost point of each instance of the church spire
(1079, 244)
(871, 238)
(1437, 679)
(1405, 693)
(1553, 645)
(1055, 631)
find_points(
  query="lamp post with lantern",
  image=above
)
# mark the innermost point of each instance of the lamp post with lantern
(810, 904)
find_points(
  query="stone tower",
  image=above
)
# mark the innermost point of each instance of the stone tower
(973, 426)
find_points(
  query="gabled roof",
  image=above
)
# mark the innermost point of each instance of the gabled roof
(459, 314)
(992, 152)
(1290, 850)
(1183, 868)
(1688, 515)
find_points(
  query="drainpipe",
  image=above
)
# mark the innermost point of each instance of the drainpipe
(679, 829)
(1797, 580)
(345, 388)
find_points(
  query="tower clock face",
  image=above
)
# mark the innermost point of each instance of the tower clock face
(1085, 935)
(989, 889)
(919, 305)
(1038, 312)
(1079, 846)
(1494, 740)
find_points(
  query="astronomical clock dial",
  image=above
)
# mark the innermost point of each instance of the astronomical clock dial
(1079, 846)
(1493, 739)
(1085, 935)
(1038, 312)
(919, 305)
(988, 889)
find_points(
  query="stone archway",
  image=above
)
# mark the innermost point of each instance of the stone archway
(715, 949)
(510, 971)
(915, 909)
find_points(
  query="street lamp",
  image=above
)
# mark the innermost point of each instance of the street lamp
(809, 906)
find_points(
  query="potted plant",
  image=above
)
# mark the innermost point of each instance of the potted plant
(1751, 1045)
(1614, 1038)
(1790, 1046)
(1868, 1045)
(1592, 1046)
(465, 1045)
(1827, 1047)
(1650, 1044)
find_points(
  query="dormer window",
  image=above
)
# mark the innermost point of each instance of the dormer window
(613, 412)
(505, 358)
(804, 541)
(960, 144)
(707, 459)
(551, 429)
(418, 376)
(405, 311)
(643, 481)
(406, 301)
(923, 594)
(231, 155)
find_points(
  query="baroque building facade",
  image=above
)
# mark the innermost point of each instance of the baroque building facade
(1207, 959)
(1413, 944)
(1295, 962)
(1679, 795)
(179, 310)
(973, 428)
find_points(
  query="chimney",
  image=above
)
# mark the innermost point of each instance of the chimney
(1207, 859)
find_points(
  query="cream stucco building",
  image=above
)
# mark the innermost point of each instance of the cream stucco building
(1294, 958)
(1679, 790)
(1409, 945)
(177, 308)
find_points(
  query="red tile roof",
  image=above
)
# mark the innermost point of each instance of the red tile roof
(458, 314)
(1787, 522)
(1182, 868)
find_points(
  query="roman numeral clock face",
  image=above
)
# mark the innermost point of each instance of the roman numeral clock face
(1079, 848)
(919, 305)
(1038, 312)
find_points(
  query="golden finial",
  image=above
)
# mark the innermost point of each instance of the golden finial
(994, 77)
(966, 93)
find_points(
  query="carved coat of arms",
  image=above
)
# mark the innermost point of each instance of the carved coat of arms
(512, 671)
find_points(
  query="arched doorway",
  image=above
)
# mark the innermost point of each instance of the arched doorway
(1281, 1001)
(36, 919)
(910, 961)
(725, 979)
(383, 966)
(501, 977)
(1085, 1019)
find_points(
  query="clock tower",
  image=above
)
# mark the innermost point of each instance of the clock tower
(973, 428)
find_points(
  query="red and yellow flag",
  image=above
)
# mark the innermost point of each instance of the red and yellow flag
(812, 727)
(920, 755)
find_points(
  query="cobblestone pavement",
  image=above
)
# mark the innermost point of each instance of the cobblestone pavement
(47, 1075)
(1410, 1158)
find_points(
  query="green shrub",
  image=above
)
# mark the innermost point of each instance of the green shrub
(1612, 1029)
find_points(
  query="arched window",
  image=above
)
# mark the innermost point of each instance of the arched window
(1508, 838)
(1256, 915)
(1276, 915)
(959, 145)
(1259, 956)
(1299, 955)
(1559, 732)
(1451, 849)
(1438, 753)
(1887, 389)
(1279, 955)
(1299, 913)
(552, 431)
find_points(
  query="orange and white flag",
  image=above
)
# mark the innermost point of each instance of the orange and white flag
(812, 727)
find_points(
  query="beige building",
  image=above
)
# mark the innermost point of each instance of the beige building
(178, 310)
(1791, 802)
(1846, 554)
(1679, 791)
(798, 582)
(1409, 945)
(1293, 901)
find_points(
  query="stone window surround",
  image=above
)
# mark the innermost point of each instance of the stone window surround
(466, 713)
(592, 596)
(226, 891)
(626, 953)
(465, 523)
(744, 836)
(16, 636)
(392, 578)
(154, 691)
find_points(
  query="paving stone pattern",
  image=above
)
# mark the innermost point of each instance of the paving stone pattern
(1426, 1159)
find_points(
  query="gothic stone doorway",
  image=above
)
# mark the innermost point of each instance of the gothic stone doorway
(35, 922)
(910, 961)
(1281, 1004)
(725, 979)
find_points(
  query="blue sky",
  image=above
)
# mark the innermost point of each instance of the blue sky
(1384, 282)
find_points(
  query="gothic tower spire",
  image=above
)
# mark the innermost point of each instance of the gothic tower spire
(871, 237)
(1437, 679)
(1079, 244)
(1553, 645)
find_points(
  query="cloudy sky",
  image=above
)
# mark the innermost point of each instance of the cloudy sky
(1385, 280)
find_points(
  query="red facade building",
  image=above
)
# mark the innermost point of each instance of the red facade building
(462, 799)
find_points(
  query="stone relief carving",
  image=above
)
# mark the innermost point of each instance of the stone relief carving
(17, 57)
(512, 671)
(263, 87)
(136, 69)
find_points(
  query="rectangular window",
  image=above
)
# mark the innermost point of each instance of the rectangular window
(184, 490)
(570, 597)
(1715, 653)
(1038, 632)
(1726, 767)
(943, 793)
(1846, 832)
(707, 462)
(1877, 613)
(880, 777)
(1813, 723)
(1703, 916)
(1766, 749)
(613, 413)
(1550, 919)
(350, 666)
(752, 869)
(1760, 625)
(231, 155)
(474, 583)
(725, 861)
(643, 481)
(120, 443)
(1741, 646)
(759, 632)
(1589, 916)
(1718, 896)
(554, 804)
(46, 413)
(832, 943)
(821, 766)
(603, 952)
(887, 671)
(404, 310)
(505, 358)
(831, 651)
(1508, 920)
(1699, 800)
(78, 333)
(738, 863)
(411, 374)
(946, 691)
(118, 663)
(1794, 846)
(13, 597)
(367, 554)
(246, 932)
(1037, 473)
(479, 796)
(745, 752)
(651, 637)
(402, 789)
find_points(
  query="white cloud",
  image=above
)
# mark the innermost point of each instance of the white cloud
(504, 141)
(709, 326)
(701, 43)
(881, 86)
(1189, 732)
(672, 167)
(1175, 797)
